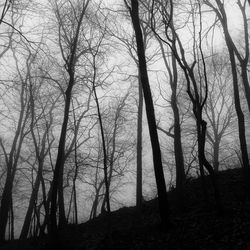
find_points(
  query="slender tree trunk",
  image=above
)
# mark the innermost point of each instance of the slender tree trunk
(46, 203)
(241, 120)
(12, 224)
(207, 165)
(57, 183)
(179, 160)
(11, 162)
(28, 216)
(5, 203)
(231, 50)
(240, 115)
(178, 152)
(139, 196)
(158, 168)
(95, 204)
(75, 204)
(216, 155)
(245, 81)
(105, 165)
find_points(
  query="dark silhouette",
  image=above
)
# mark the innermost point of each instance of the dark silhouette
(158, 169)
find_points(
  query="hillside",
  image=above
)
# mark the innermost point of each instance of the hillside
(197, 226)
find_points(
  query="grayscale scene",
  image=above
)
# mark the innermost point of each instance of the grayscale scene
(124, 124)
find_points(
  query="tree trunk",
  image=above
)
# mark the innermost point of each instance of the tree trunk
(206, 164)
(46, 203)
(178, 152)
(158, 168)
(28, 216)
(179, 160)
(216, 155)
(5, 203)
(241, 120)
(139, 196)
(245, 83)
(12, 224)
(105, 166)
(57, 183)
(240, 115)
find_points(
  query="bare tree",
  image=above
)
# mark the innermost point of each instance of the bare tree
(219, 109)
(70, 57)
(39, 111)
(12, 155)
(128, 42)
(219, 9)
(172, 70)
(119, 146)
(195, 79)
(112, 138)
(158, 169)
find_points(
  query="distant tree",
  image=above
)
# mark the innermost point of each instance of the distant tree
(219, 9)
(119, 146)
(171, 67)
(12, 154)
(112, 136)
(75, 147)
(41, 113)
(241, 51)
(105, 164)
(219, 108)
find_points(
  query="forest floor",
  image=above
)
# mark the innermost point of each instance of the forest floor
(197, 226)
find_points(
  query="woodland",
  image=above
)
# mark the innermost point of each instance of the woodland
(124, 124)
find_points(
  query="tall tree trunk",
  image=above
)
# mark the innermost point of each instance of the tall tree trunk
(203, 162)
(179, 160)
(139, 196)
(158, 168)
(216, 149)
(241, 121)
(178, 152)
(32, 201)
(5, 204)
(240, 115)
(46, 203)
(221, 14)
(11, 163)
(245, 81)
(105, 165)
(57, 182)
(12, 224)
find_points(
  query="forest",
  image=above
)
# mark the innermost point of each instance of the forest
(115, 107)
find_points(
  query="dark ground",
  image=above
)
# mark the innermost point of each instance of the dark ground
(198, 226)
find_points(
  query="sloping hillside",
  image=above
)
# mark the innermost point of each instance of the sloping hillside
(197, 226)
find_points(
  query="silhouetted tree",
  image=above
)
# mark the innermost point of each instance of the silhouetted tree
(220, 11)
(196, 93)
(158, 169)
(12, 157)
(70, 57)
